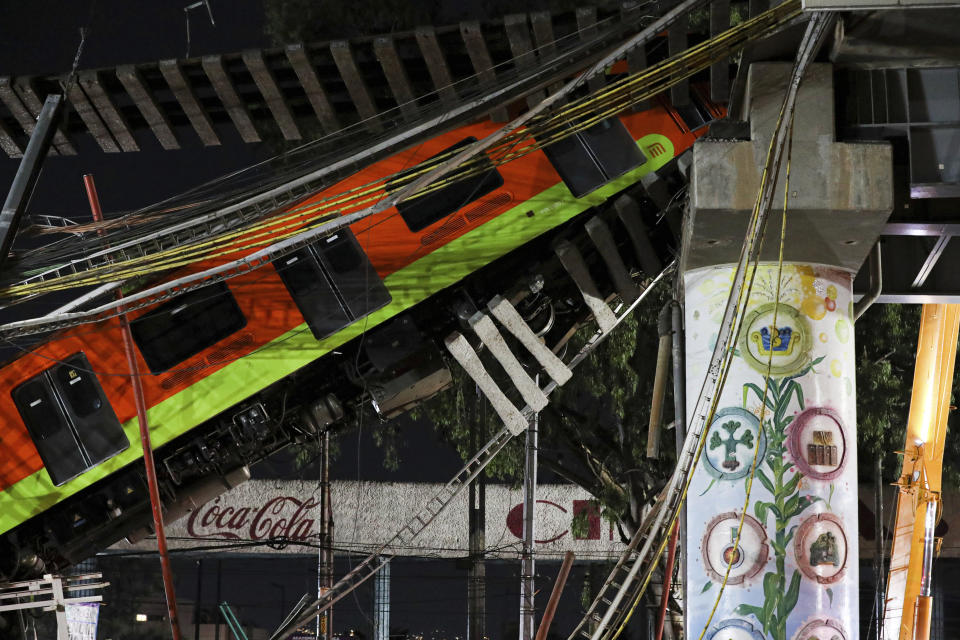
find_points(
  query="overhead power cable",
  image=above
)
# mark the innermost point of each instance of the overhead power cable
(282, 234)
(249, 194)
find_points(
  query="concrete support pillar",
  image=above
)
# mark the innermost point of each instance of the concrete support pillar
(381, 604)
(794, 574)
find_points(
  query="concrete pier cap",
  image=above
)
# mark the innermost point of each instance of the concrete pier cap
(840, 194)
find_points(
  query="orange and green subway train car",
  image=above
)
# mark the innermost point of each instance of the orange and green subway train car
(230, 370)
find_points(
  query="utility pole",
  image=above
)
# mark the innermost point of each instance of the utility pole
(15, 204)
(477, 575)
(198, 601)
(879, 573)
(325, 552)
(527, 604)
(381, 604)
(140, 402)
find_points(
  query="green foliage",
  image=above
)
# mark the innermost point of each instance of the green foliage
(886, 350)
(594, 431)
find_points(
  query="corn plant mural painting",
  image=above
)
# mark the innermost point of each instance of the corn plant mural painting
(782, 570)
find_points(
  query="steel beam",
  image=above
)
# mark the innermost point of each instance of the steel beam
(116, 124)
(436, 64)
(677, 43)
(356, 87)
(521, 47)
(480, 59)
(19, 111)
(400, 87)
(916, 270)
(921, 229)
(930, 262)
(587, 26)
(88, 114)
(25, 90)
(542, 23)
(720, 72)
(26, 178)
(183, 92)
(636, 57)
(300, 61)
(8, 144)
(271, 93)
(137, 89)
(236, 109)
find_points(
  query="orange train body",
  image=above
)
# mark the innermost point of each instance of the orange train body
(267, 305)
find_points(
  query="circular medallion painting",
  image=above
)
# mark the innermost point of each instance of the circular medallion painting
(718, 550)
(821, 630)
(820, 548)
(732, 440)
(818, 443)
(734, 629)
(785, 344)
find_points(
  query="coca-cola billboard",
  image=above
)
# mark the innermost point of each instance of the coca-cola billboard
(280, 517)
(264, 516)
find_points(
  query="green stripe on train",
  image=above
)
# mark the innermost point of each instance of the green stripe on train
(296, 348)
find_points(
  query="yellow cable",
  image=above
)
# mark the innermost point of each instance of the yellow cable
(541, 132)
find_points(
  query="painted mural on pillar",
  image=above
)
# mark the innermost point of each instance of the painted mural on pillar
(783, 431)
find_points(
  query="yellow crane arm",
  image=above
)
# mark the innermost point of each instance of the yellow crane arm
(907, 607)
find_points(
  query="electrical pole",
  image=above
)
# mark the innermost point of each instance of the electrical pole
(325, 552)
(880, 576)
(381, 604)
(477, 575)
(527, 608)
(15, 204)
(140, 402)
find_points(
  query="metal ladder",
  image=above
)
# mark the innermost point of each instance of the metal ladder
(515, 422)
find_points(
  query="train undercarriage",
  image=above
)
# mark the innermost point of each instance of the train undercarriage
(386, 371)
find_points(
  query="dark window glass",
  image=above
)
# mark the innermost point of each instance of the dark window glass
(356, 281)
(79, 390)
(333, 283)
(38, 409)
(421, 212)
(91, 417)
(593, 157)
(72, 425)
(301, 272)
(186, 325)
(311, 290)
(341, 254)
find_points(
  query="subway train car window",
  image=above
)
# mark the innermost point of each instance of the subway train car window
(593, 157)
(186, 325)
(69, 419)
(422, 212)
(332, 282)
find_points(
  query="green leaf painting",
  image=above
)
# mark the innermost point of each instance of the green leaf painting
(781, 398)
